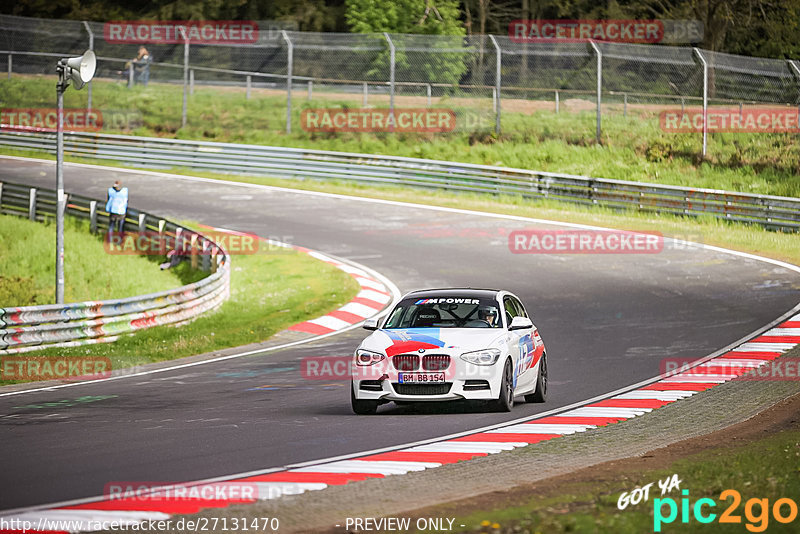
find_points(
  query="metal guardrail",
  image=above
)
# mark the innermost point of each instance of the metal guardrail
(774, 212)
(23, 329)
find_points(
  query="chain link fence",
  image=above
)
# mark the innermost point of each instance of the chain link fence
(476, 76)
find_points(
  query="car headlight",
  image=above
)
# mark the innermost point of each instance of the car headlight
(367, 357)
(482, 357)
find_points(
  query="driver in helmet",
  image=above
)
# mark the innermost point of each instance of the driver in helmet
(488, 314)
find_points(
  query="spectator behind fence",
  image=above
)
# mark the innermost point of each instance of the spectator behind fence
(141, 66)
(117, 206)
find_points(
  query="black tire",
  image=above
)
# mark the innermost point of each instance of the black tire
(362, 407)
(540, 395)
(505, 400)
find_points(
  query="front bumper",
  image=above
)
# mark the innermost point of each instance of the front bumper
(463, 380)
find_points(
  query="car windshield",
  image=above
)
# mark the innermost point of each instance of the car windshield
(445, 312)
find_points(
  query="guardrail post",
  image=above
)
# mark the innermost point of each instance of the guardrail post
(32, 204)
(193, 249)
(9, 65)
(310, 89)
(497, 81)
(704, 63)
(366, 94)
(204, 265)
(599, 87)
(184, 111)
(142, 223)
(248, 86)
(213, 265)
(391, 71)
(556, 101)
(179, 248)
(91, 47)
(289, 66)
(191, 82)
(93, 216)
(161, 224)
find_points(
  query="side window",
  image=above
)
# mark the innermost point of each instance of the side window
(511, 312)
(520, 308)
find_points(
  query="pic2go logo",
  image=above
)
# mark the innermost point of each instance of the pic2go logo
(756, 511)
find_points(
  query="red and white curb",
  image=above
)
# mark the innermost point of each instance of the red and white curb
(373, 297)
(752, 354)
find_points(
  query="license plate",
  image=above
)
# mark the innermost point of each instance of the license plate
(420, 378)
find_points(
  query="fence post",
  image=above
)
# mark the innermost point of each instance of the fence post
(130, 76)
(429, 94)
(391, 71)
(289, 65)
(1, 197)
(625, 105)
(185, 78)
(704, 63)
(497, 81)
(32, 204)
(191, 82)
(91, 47)
(248, 86)
(310, 89)
(599, 87)
(93, 216)
(10, 56)
(556, 101)
(366, 94)
(793, 66)
(193, 248)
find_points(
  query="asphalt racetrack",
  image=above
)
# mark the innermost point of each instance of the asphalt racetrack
(608, 320)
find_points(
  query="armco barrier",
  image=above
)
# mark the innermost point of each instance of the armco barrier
(34, 327)
(781, 213)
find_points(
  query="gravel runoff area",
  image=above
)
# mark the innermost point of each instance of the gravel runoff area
(718, 408)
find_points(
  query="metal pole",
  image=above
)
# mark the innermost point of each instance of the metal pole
(703, 62)
(599, 87)
(184, 112)
(497, 79)
(60, 199)
(310, 89)
(793, 66)
(556, 101)
(191, 82)
(10, 56)
(366, 93)
(429, 94)
(248, 85)
(625, 105)
(289, 62)
(391, 71)
(130, 76)
(91, 47)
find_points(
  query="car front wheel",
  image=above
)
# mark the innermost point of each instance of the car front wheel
(505, 400)
(362, 407)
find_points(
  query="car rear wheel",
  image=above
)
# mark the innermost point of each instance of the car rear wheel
(505, 400)
(540, 395)
(362, 407)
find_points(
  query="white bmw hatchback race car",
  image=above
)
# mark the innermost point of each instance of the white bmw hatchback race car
(451, 344)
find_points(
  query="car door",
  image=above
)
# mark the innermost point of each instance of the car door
(523, 339)
(513, 342)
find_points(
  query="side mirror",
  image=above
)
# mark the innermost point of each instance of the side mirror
(520, 323)
(370, 324)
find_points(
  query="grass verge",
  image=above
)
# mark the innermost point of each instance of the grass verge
(633, 147)
(27, 266)
(269, 292)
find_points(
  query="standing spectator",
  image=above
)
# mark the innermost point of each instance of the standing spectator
(141, 66)
(117, 206)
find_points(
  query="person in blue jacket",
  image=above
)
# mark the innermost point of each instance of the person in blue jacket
(117, 206)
